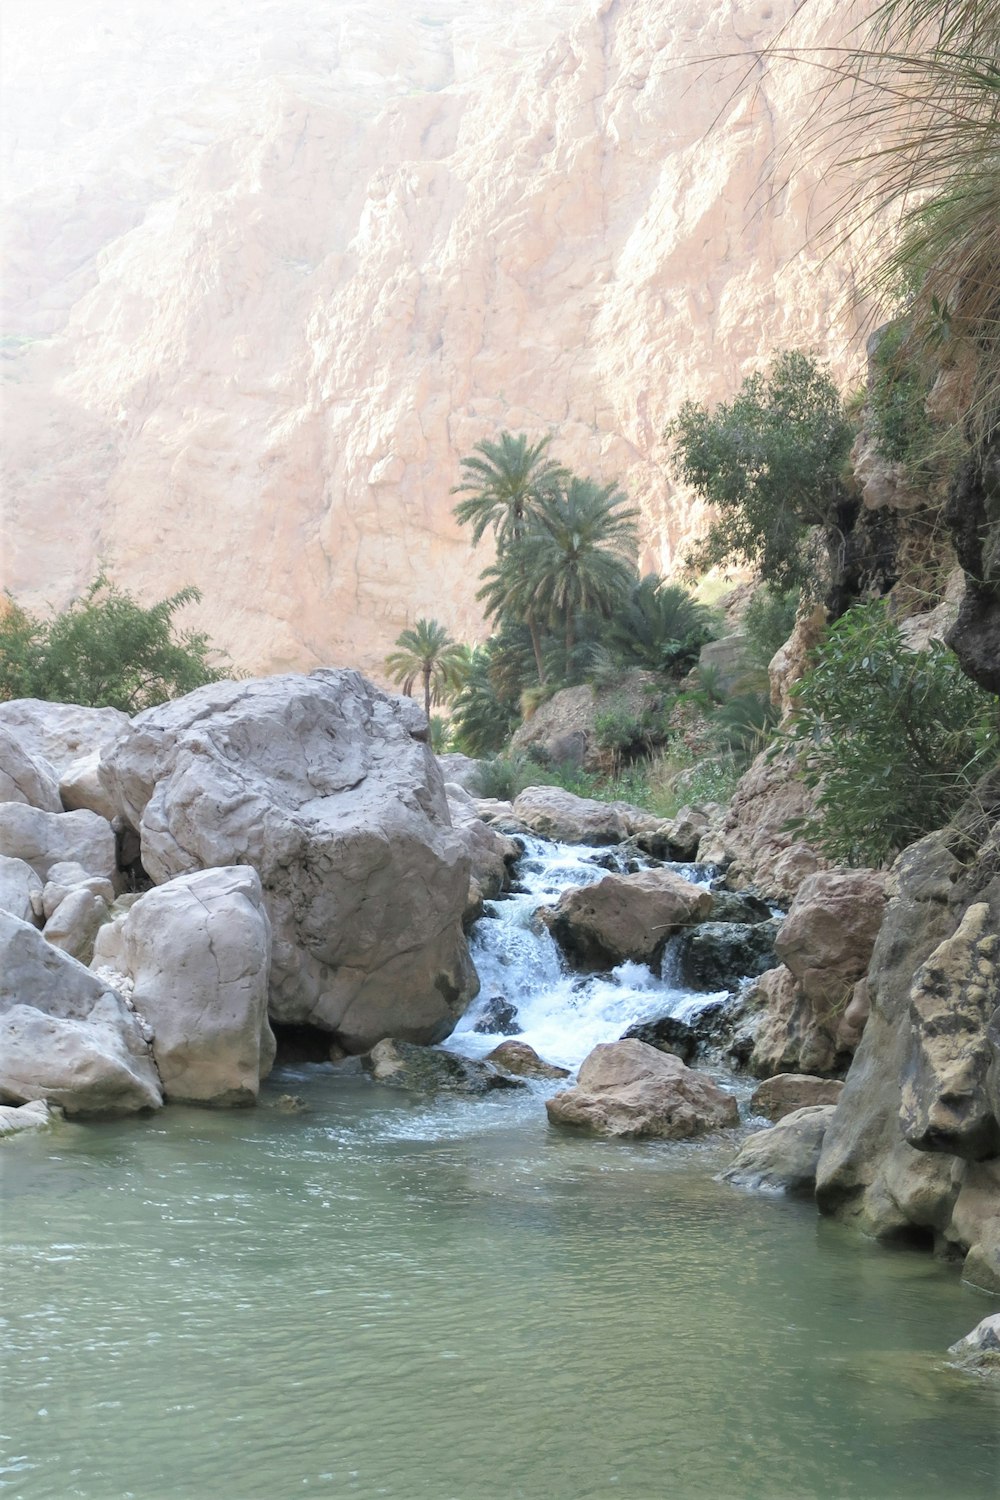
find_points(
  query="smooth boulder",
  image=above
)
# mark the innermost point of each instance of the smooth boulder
(44, 839)
(787, 1092)
(784, 1157)
(20, 890)
(629, 1089)
(328, 788)
(979, 1351)
(553, 813)
(66, 1036)
(626, 917)
(524, 1061)
(25, 778)
(15, 1119)
(197, 952)
(60, 733)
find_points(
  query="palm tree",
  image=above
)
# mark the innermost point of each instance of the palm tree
(503, 482)
(508, 592)
(578, 548)
(660, 627)
(427, 651)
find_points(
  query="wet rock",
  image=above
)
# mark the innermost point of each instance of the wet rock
(429, 1070)
(668, 1034)
(787, 1092)
(16, 1118)
(738, 906)
(785, 1156)
(498, 1018)
(519, 1058)
(626, 917)
(553, 813)
(718, 955)
(979, 1351)
(327, 787)
(287, 1104)
(197, 953)
(629, 1089)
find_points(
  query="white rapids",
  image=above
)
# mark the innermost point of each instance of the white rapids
(563, 1015)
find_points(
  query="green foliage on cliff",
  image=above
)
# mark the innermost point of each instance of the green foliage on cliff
(105, 650)
(892, 740)
(771, 461)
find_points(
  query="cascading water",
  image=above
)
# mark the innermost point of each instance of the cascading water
(385, 1296)
(561, 1014)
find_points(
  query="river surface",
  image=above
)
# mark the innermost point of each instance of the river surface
(448, 1300)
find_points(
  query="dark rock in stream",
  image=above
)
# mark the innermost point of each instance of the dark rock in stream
(499, 1018)
(718, 955)
(738, 906)
(783, 1158)
(428, 1070)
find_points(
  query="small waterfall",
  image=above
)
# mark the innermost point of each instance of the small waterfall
(563, 1014)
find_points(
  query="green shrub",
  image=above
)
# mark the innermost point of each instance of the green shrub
(503, 776)
(768, 622)
(892, 740)
(105, 651)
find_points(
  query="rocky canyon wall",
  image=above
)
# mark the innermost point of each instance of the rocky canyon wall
(271, 269)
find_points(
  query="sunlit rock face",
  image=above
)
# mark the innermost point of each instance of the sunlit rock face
(273, 268)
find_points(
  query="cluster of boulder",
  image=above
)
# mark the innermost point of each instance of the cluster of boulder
(256, 853)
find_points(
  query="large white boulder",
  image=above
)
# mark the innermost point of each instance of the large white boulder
(25, 777)
(43, 839)
(20, 890)
(197, 952)
(65, 1037)
(59, 733)
(327, 787)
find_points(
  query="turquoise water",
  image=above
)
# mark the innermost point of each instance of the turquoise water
(383, 1297)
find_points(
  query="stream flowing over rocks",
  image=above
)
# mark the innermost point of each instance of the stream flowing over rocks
(287, 853)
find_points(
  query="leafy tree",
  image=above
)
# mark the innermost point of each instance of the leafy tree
(427, 652)
(771, 462)
(660, 627)
(578, 549)
(104, 650)
(892, 740)
(768, 622)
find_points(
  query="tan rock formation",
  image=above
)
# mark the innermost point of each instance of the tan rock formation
(272, 270)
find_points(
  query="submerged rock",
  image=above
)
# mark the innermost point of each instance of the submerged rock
(979, 1351)
(16, 1118)
(626, 917)
(629, 1089)
(498, 1018)
(429, 1070)
(718, 955)
(785, 1156)
(519, 1058)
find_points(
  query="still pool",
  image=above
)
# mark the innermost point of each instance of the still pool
(383, 1297)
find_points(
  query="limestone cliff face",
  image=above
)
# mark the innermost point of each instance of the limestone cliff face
(273, 269)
